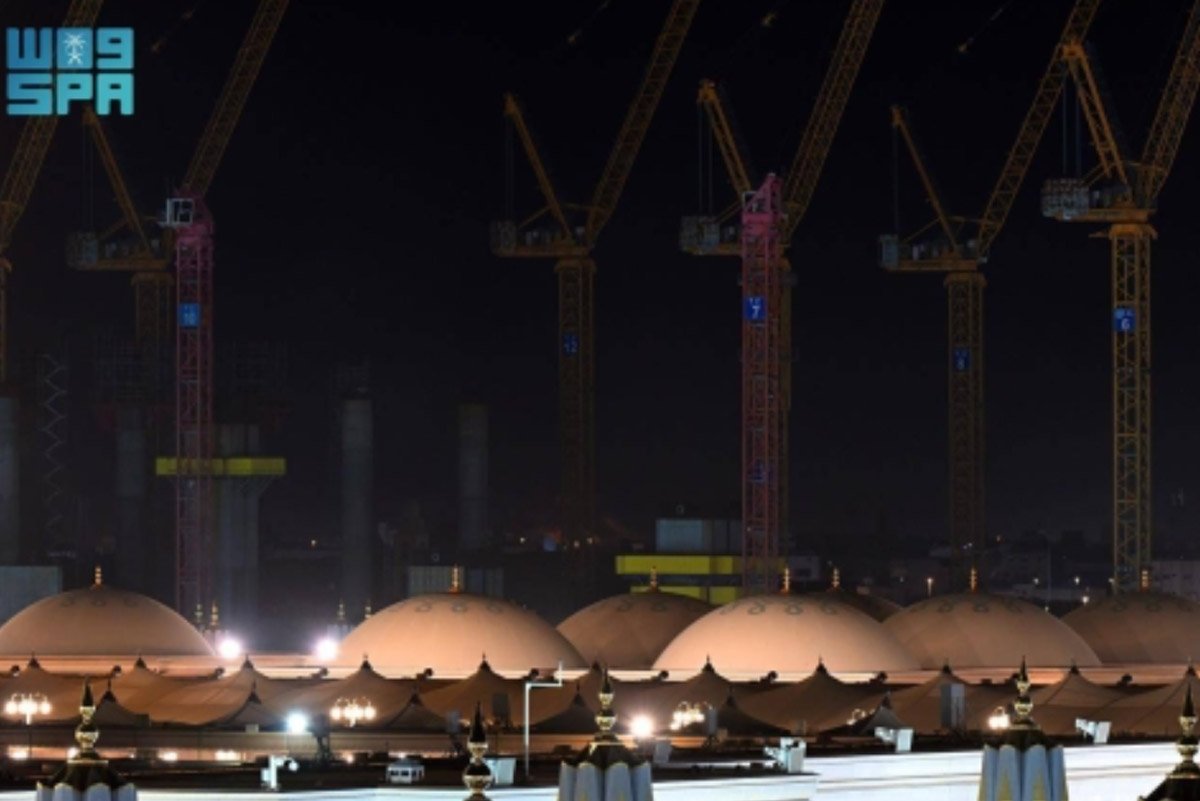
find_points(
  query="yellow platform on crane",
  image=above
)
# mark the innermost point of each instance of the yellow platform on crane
(230, 467)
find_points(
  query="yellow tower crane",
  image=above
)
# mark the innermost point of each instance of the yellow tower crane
(956, 248)
(720, 235)
(570, 245)
(1123, 194)
(23, 169)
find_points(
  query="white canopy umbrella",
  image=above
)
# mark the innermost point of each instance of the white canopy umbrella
(1025, 765)
(605, 770)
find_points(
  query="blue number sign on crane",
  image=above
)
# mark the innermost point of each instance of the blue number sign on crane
(1124, 319)
(962, 360)
(189, 315)
(754, 308)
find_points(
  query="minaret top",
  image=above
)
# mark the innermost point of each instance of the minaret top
(456, 579)
(97, 577)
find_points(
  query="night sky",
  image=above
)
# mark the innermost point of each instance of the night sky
(352, 210)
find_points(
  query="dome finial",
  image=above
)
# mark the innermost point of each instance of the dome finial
(97, 576)
(974, 579)
(837, 579)
(606, 719)
(456, 579)
(367, 610)
(1187, 744)
(653, 578)
(1023, 706)
(787, 580)
(478, 776)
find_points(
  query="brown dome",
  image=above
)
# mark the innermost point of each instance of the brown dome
(630, 631)
(450, 632)
(787, 634)
(100, 621)
(1139, 627)
(976, 630)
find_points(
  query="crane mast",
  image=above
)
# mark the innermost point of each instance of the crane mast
(1123, 195)
(765, 423)
(570, 244)
(763, 348)
(957, 248)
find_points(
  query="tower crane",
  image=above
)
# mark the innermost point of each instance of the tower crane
(758, 227)
(568, 235)
(23, 169)
(1122, 194)
(125, 246)
(957, 248)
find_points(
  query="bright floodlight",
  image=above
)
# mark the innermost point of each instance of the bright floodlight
(229, 648)
(297, 723)
(999, 720)
(641, 727)
(326, 649)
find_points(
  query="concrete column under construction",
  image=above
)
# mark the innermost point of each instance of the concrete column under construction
(357, 467)
(10, 510)
(131, 478)
(238, 494)
(472, 477)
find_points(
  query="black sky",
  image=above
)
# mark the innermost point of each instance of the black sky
(352, 211)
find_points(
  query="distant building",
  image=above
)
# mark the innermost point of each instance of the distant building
(701, 558)
(1177, 577)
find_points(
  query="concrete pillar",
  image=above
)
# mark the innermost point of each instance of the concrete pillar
(10, 512)
(472, 477)
(131, 477)
(235, 575)
(357, 508)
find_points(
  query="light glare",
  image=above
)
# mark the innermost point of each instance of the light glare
(326, 649)
(297, 723)
(229, 648)
(641, 727)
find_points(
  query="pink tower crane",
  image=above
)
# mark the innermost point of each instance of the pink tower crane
(193, 227)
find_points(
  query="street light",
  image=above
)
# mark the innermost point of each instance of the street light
(536, 683)
(28, 706)
(352, 710)
(999, 719)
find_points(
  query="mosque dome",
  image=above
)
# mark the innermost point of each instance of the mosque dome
(786, 634)
(450, 632)
(630, 631)
(100, 620)
(1139, 627)
(873, 606)
(977, 630)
